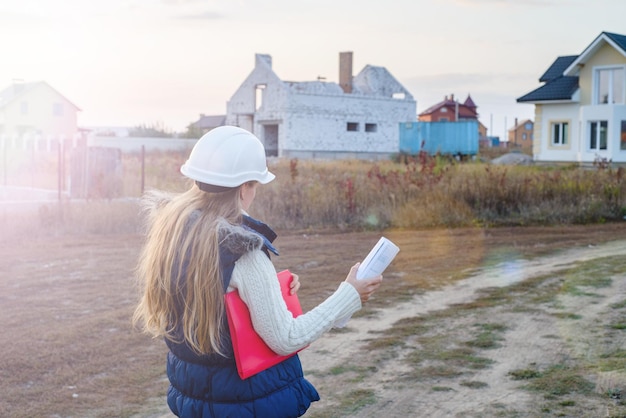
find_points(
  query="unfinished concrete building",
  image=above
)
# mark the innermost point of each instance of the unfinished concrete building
(358, 117)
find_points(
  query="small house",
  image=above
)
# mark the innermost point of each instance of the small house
(521, 135)
(206, 123)
(36, 110)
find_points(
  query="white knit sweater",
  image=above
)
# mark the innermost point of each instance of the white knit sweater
(255, 278)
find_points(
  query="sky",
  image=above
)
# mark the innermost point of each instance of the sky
(164, 62)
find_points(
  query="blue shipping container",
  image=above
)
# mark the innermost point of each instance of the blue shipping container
(439, 137)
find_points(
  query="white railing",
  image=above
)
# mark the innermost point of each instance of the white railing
(43, 142)
(38, 142)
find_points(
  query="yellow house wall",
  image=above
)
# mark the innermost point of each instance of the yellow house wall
(537, 138)
(40, 118)
(606, 55)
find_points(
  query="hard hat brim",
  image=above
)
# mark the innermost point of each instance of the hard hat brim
(218, 179)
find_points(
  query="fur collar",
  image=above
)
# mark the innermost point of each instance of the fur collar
(237, 239)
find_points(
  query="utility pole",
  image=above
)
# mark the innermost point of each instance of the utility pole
(506, 136)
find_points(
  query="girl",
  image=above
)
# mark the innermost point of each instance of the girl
(201, 244)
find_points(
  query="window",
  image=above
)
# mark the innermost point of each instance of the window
(442, 120)
(528, 126)
(398, 96)
(622, 137)
(352, 127)
(524, 136)
(610, 85)
(444, 110)
(560, 133)
(259, 93)
(57, 109)
(371, 127)
(598, 135)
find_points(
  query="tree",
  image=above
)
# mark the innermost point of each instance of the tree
(192, 132)
(155, 130)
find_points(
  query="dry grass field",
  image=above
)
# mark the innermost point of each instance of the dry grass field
(466, 324)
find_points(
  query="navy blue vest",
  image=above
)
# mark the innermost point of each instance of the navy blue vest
(209, 386)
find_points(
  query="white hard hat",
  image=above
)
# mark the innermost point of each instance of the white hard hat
(227, 156)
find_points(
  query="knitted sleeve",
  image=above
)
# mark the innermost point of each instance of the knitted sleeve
(255, 278)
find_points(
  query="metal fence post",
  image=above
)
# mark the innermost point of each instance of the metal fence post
(143, 168)
(60, 172)
(4, 157)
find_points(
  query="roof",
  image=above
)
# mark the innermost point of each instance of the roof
(211, 121)
(445, 103)
(620, 40)
(16, 90)
(615, 40)
(561, 78)
(520, 124)
(560, 88)
(378, 81)
(371, 81)
(465, 110)
(557, 68)
(469, 102)
(314, 87)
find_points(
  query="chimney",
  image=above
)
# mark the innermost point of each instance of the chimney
(263, 59)
(345, 71)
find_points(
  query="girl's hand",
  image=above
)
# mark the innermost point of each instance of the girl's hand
(365, 287)
(294, 285)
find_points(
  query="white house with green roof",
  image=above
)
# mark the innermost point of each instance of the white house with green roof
(580, 110)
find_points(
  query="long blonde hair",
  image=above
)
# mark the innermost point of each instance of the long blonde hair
(182, 239)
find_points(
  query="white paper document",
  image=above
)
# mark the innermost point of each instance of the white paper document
(378, 259)
(373, 265)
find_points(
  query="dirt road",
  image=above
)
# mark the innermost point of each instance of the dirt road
(532, 338)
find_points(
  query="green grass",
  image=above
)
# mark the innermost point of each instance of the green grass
(614, 360)
(350, 403)
(619, 305)
(442, 389)
(524, 374)
(358, 373)
(596, 274)
(488, 337)
(403, 329)
(444, 355)
(567, 315)
(472, 384)
(560, 380)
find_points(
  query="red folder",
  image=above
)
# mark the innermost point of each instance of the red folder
(252, 355)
